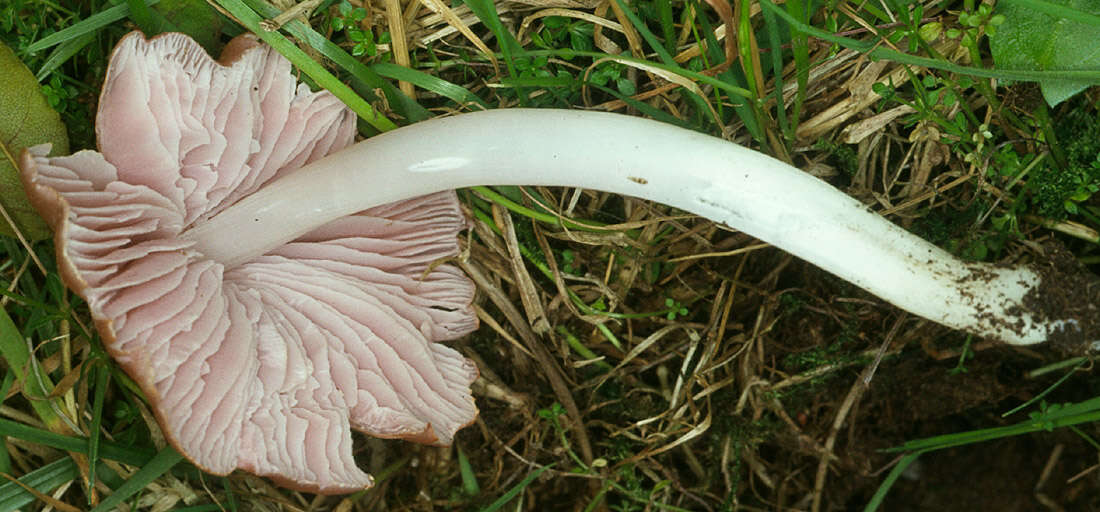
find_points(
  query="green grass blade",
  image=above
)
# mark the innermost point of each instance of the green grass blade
(159, 465)
(1037, 398)
(27, 301)
(125, 455)
(888, 482)
(251, 20)
(44, 479)
(1086, 407)
(800, 48)
(36, 385)
(486, 11)
(646, 34)
(674, 68)
(746, 51)
(582, 350)
(401, 103)
(86, 26)
(776, 54)
(1087, 411)
(668, 24)
(514, 491)
(63, 53)
(902, 12)
(5, 457)
(100, 393)
(544, 82)
(554, 220)
(230, 502)
(451, 91)
(643, 107)
(1046, 422)
(469, 478)
(734, 77)
(659, 49)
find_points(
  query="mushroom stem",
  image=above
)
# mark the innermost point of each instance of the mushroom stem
(704, 175)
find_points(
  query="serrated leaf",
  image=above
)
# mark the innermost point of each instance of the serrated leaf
(26, 119)
(1033, 40)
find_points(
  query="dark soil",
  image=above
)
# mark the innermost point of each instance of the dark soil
(1068, 292)
(922, 400)
(1001, 476)
(918, 393)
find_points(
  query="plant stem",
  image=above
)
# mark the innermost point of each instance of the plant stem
(703, 175)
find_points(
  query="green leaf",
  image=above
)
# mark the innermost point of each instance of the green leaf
(44, 479)
(36, 385)
(157, 466)
(486, 11)
(1033, 37)
(402, 105)
(251, 20)
(86, 26)
(514, 491)
(62, 53)
(134, 456)
(195, 18)
(874, 50)
(26, 119)
(142, 16)
(469, 477)
(192, 17)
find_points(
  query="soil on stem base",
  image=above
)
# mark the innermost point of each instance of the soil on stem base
(1069, 292)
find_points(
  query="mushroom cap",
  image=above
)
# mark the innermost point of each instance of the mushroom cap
(268, 365)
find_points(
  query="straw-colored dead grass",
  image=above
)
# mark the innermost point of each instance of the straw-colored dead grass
(765, 392)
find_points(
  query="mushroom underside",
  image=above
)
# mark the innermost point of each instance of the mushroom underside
(268, 365)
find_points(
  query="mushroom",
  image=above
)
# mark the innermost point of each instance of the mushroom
(707, 176)
(255, 259)
(268, 364)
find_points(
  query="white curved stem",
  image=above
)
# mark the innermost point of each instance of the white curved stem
(697, 173)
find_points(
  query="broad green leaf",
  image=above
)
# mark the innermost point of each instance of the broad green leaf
(195, 18)
(26, 119)
(192, 17)
(1032, 39)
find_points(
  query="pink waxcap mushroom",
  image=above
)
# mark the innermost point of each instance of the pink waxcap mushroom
(267, 365)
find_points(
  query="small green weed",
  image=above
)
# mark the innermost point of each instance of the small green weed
(562, 32)
(348, 21)
(674, 309)
(841, 156)
(69, 85)
(973, 24)
(815, 357)
(552, 416)
(1059, 188)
